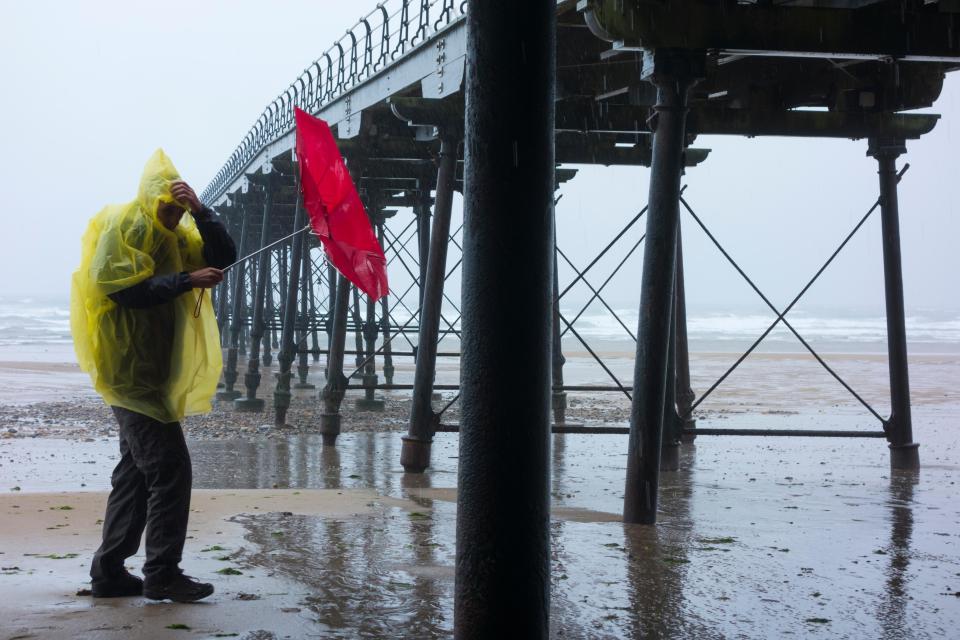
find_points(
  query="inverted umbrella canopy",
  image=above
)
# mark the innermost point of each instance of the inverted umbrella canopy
(336, 212)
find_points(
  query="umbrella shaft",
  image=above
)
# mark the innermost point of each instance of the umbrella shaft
(269, 246)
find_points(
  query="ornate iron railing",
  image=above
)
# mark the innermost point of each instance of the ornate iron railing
(393, 29)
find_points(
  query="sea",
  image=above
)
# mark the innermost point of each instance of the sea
(45, 322)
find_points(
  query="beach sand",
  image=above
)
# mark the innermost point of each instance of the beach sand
(757, 537)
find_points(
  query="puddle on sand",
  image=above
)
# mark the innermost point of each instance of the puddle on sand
(757, 537)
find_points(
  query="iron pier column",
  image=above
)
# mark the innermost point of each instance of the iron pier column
(314, 320)
(559, 397)
(328, 323)
(333, 392)
(385, 321)
(369, 401)
(369, 329)
(281, 395)
(306, 284)
(415, 453)
(269, 337)
(423, 234)
(673, 73)
(670, 440)
(222, 301)
(904, 452)
(684, 391)
(230, 370)
(358, 334)
(252, 377)
(503, 544)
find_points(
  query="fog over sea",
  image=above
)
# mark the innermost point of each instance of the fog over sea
(45, 322)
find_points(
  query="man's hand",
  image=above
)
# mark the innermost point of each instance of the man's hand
(184, 194)
(206, 278)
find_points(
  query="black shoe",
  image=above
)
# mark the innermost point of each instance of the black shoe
(180, 588)
(124, 585)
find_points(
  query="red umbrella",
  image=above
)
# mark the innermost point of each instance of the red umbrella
(336, 212)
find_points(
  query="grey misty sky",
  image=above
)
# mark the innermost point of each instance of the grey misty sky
(91, 89)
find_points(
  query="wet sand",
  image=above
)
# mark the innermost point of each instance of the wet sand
(758, 537)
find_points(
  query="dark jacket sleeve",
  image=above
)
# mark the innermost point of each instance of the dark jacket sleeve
(153, 291)
(218, 251)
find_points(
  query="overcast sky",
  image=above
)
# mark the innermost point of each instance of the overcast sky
(91, 89)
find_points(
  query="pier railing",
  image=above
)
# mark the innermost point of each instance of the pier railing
(392, 30)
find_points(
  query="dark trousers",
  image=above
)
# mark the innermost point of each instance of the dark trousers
(151, 489)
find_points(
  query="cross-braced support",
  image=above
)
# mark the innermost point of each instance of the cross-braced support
(415, 454)
(673, 73)
(904, 452)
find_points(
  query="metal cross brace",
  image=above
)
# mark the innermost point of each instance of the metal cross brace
(605, 283)
(781, 315)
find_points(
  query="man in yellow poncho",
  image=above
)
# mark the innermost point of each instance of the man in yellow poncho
(142, 266)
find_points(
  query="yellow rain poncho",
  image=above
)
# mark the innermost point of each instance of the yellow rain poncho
(159, 361)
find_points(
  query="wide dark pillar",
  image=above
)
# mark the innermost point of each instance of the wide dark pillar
(503, 545)
(904, 452)
(281, 395)
(251, 378)
(236, 320)
(415, 454)
(673, 73)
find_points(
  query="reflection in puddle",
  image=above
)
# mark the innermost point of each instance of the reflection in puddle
(751, 543)
(756, 538)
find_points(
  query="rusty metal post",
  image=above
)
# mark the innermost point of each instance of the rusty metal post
(673, 73)
(251, 379)
(230, 370)
(333, 392)
(306, 284)
(502, 584)
(281, 395)
(904, 452)
(684, 391)
(415, 454)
